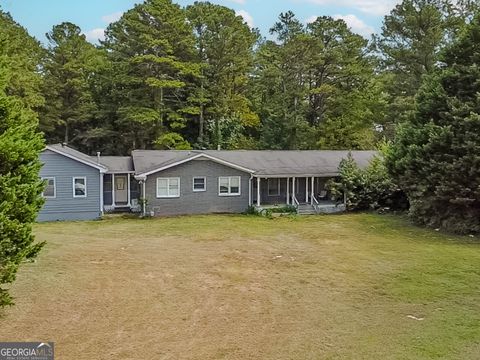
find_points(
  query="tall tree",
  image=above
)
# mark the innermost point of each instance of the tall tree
(280, 86)
(412, 37)
(152, 48)
(436, 154)
(314, 86)
(20, 185)
(70, 63)
(22, 57)
(345, 100)
(224, 44)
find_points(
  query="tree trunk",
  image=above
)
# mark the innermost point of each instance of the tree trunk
(65, 140)
(201, 125)
(201, 119)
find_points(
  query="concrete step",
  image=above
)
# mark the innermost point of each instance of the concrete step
(305, 209)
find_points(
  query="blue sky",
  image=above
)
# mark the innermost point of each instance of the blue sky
(38, 16)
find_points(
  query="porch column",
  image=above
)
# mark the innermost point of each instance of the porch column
(113, 190)
(128, 190)
(306, 190)
(250, 191)
(258, 191)
(288, 191)
(101, 193)
(293, 190)
(313, 190)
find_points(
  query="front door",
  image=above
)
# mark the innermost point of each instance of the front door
(121, 190)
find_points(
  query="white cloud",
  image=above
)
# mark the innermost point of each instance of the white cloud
(241, 2)
(112, 17)
(357, 25)
(246, 16)
(311, 19)
(95, 34)
(371, 7)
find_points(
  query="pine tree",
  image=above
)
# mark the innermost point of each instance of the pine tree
(22, 57)
(224, 44)
(314, 87)
(152, 49)
(69, 66)
(436, 156)
(412, 38)
(20, 185)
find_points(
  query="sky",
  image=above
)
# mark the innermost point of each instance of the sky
(93, 16)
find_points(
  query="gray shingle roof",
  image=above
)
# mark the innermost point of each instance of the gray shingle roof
(75, 154)
(146, 160)
(261, 162)
(117, 163)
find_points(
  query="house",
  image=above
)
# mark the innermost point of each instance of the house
(81, 187)
(175, 182)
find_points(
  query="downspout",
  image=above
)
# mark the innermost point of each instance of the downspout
(250, 202)
(144, 204)
(101, 194)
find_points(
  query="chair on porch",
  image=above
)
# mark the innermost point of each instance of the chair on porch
(323, 195)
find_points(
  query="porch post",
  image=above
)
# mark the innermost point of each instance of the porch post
(258, 191)
(306, 190)
(313, 190)
(293, 189)
(250, 191)
(113, 190)
(128, 190)
(288, 191)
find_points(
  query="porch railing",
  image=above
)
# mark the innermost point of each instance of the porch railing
(315, 203)
(295, 201)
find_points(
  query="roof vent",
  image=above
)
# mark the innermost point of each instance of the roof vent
(98, 157)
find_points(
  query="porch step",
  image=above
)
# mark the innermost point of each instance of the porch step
(306, 209)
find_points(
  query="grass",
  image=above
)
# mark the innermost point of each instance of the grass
(239, 287)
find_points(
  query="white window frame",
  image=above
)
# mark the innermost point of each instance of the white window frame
(278, 187)
(54, 187)
(73, 186)
(204, 184)
(168, 188)
(230, 186)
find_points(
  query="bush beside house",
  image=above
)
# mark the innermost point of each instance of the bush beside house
(371, 188)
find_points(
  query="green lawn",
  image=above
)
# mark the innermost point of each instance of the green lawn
(237, 287)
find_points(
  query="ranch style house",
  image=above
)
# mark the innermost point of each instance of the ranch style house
(180, 182)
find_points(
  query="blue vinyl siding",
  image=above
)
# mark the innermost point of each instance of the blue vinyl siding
(65, 206)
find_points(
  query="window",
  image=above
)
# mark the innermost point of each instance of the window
(79, 187)
(199, 184)
(50, 188)
(168, 187)
(229, 185)
(273, 187)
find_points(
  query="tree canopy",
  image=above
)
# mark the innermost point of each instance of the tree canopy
(20, 144)
(436, 155)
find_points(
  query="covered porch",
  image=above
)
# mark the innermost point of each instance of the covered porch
(308, 194)
(120, 192)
